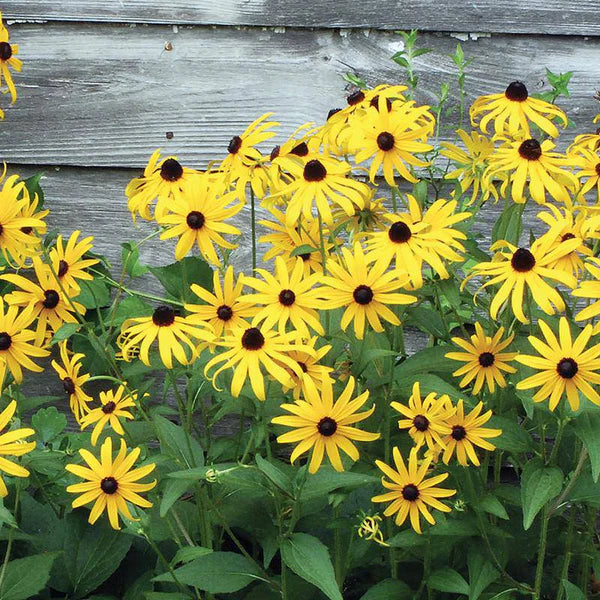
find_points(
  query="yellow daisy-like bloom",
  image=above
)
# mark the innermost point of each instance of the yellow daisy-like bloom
(50, 305)
(313, 374)
(364, 290)
(197, 215)
(587, 141)
(414, 238)
(12, 443)
(113, 407)
(411, 494)
(68, 262)
(588, 162)
(518, 268)
(251, 348)
(161, 179)
(371, 216)
(30, 211)
(467, 432)
(425, 418)
(15, 342)
(8, 58)
(485, 361)
(169, 330)
(512, 111)
(392, 138)
(565, 366)
(471, 163)
(590, 289)
(326, 426)
(243, 158)
(223, 311)
(320, 179)
(287, 298)
(522, 162)
(110, 484)
(72, 381)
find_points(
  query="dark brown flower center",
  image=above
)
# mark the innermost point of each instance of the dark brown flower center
(51, 299)
(195, 220)
(363, 294)
(5, 51)
(597, 168)
(224, 312)
(109, 407)
(63, 267)
(421, 423)
(300, 149)
(5, 341)
(305, 256)
(458, 433)
(355, 97)
(375, 103)
(253, 339)
(530, 150)
(486, 359)
(303, 366)
(567, 236)
(410, 492)
(234, 144)
(327, 426)
(314, 170)
(68, 385)
(567, 368)
(516, 91)
(385, 141)
(522, 260)
(399, 232)
(171, 170)
(25, 230)
(287, 297)
(275, 152)
(332, 112)
(109, 485)
(163, 316)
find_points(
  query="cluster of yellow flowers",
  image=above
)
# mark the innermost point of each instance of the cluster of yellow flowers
(8, 60)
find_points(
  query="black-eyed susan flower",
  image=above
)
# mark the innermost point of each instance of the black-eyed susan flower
(519, 268)
(512, 111)
(326, 426)
(8, 58)
(564, 365)
(15, 342)
(411, 494)
(223, 311)
(161, 179)
(590, 289)
(114, 405)
(364, 290)
(173, 333)
(414, 238)
(68, 262)
(484, 360)
(425, 417)
(531, 163)
(73, 381)
(588, 141)
(49, 303)
(588, 165)
(12, 443)
(197, 215)
(286, 298)
(251, 349)
(467, 432)
(29, 210)
(110, 484)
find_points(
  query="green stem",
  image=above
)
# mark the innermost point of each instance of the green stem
(576, 473)
(539, 571)
(338, 551)
(564, 573)
(166, 563)
(10, 538)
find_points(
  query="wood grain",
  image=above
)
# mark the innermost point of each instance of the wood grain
(105, 95)
(566, 17)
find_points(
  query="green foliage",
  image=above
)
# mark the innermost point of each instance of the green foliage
(25, 577)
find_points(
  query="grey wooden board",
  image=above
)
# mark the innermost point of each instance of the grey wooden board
(511, 16)
(105, 95)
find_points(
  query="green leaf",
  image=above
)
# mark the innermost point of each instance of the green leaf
(539, 484)
(426, 361)
(189, 553)
(64, 332)
(6, 516)
(428, 320)
(387, 589)
(48, 423)
(509, 226)
(94, 294)
(27, 403)
(493, 506)
(166, 596)
(309, 558)
(177, 277)
(275, 475)
(140, 586)
(217, 573)
(129, 308)
(481, 574)
(326, 480)
(174, 441)
(448, 580)
(25, 577)
(304, 249)
(587, 426)
(130, 257)
(174, 489)
(572, 591)
(34, 188)
(514, 438)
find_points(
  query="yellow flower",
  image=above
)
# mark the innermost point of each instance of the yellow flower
(72, 381)
(110, 484)
(426, 418)
(12, 443)
(113, 407)
(565, 366)
(326, 426)
(590, 289)
(364, 290)
(8, 58)
(512, 111)
(30, 211)
(588, 162)
(68, 262)
(484, 359)
(411, 494)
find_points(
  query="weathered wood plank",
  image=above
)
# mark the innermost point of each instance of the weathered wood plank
(105, 95)
(566, 17)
